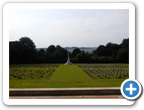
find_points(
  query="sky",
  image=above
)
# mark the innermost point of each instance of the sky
(69, 27)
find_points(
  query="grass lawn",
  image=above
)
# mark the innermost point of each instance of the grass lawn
(65, 76)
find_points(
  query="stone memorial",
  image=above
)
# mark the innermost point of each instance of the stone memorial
(68, 61)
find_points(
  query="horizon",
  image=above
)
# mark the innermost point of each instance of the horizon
(77, 46)
(69, 47)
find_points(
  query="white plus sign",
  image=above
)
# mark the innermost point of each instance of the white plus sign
(131, 89)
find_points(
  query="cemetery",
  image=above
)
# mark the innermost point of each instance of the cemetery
(66, 80)
(67, 76)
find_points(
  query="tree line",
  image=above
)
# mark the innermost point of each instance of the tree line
(24, 51)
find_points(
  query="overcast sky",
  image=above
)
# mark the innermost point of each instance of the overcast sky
(69, 27)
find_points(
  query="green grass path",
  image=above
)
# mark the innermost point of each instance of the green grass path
(69, 72)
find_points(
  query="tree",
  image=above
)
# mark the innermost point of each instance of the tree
(26, 41)
(16, 52)
(123, 55)
(75, 52)
(57, 55)
(48, 56)
(111, 49)
(100, 51)
(41, 53)
(83, 57)
(62, 52)
(108, 49)
(22, 51)
(114, 50)
(123, 52)
(125, 43)
(28, 46)
(51, 49)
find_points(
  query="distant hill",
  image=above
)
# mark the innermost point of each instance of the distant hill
(41, 48)
(86, 49)
(70, 49)
(79, 47)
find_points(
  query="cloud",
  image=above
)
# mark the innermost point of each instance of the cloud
(29, 27)
(89, 31)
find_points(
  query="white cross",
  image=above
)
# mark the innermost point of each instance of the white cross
(131, 89)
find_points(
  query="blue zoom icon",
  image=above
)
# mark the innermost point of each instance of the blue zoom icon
(130, 89)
